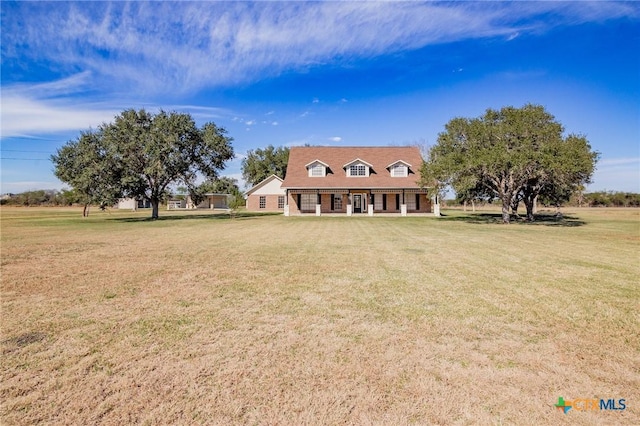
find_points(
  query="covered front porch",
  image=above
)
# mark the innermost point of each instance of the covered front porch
(352, 202)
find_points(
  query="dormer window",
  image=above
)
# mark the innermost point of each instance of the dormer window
(399, 169)
(317, 168)
(358, 168)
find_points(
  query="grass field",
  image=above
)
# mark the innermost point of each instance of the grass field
(201, 319)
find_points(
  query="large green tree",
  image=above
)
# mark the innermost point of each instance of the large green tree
(259, 164)
(514, 155)
(140, 155)
(92, 169)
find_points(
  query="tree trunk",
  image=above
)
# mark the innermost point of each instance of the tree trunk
(85, 211)
(155, 204)
(506, 205)
(529, 202)
(473, 206)
(514, 208)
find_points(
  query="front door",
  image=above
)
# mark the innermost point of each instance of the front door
(357, 203)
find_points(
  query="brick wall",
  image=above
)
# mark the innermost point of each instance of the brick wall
(294, 208)
(253, 203)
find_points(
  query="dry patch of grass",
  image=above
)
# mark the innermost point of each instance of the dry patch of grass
(273, 320)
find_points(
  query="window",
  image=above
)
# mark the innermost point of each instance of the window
(399, 170)
(281, 201)
(410, 199)
(377, 201)
(337, 202)
(263, 202)
(357, 170)
(317, 170)
(308, 202)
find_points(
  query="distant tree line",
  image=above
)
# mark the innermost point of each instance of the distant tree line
(578, 199)
(71, 197)
(606, 199)
(43, 197)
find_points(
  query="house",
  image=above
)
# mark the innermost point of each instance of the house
(347, 180)
(211, 201)
(133, 203)
(267, 196)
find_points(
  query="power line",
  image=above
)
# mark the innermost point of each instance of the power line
(20, 150)
(25, 159)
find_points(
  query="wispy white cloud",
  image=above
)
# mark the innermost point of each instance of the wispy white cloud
(60, 106)
(335, 139)
(513, 36)
(614, 162)
(25, 116)
(152, 48)
(184, 46)
(201, 112)
(188, 45)
(620, 174)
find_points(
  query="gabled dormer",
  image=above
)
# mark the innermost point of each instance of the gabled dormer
(317, 168)
(399, 169)
(358, 168)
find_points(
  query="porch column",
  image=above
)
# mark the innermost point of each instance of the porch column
(318, 203)
(370, 205)
(349, 206)
(403, 206)
(286, 202)
(436, 205)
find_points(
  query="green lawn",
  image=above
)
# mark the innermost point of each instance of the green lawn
(198, 318)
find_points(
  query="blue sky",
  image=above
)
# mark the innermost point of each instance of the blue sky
(322, 73)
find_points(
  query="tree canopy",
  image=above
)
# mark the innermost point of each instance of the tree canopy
(262, 163)
(89, 165)
(514, 155)
(140, 155)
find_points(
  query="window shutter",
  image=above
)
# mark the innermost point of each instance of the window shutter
(299, 201)
(333, 201)
(397, 201)
(417, 201)
(384, 201)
